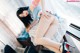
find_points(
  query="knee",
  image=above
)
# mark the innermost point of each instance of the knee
(37, 41)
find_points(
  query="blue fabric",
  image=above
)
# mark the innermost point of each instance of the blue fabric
(35, 12)
(24, 38)
(24, 35)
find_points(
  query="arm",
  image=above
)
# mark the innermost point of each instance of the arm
(34, 23)
(34, 4)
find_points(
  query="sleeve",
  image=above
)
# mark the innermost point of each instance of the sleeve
(35, 13)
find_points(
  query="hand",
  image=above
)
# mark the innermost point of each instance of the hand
(46, 15)
(48, 12)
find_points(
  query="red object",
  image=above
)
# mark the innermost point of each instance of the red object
(67, 46)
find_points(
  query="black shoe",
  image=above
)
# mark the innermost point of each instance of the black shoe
(65, 47)
(8, 49)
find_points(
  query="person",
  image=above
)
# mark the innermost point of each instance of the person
(47, 27)
(31, 12)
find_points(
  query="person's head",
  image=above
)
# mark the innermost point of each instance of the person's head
(24, 16)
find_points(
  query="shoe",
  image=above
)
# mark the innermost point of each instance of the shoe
(9, 49)
(66, 47)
